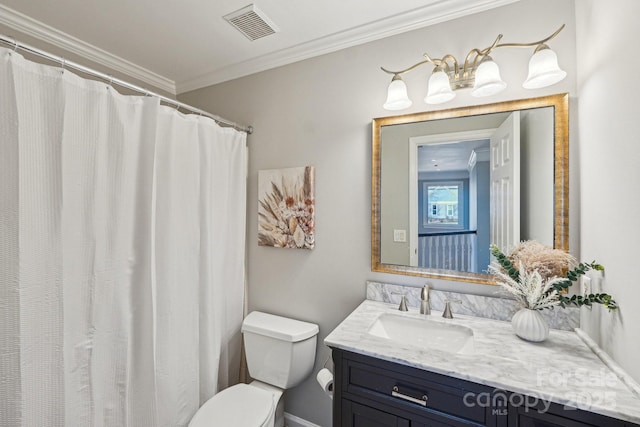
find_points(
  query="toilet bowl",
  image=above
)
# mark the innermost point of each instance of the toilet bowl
(280, 354)
(243, 405)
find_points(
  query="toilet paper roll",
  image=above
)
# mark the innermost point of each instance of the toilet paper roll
(325, 379)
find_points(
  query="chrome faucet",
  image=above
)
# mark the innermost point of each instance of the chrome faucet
(447, 314)
(403, 301)
(425, 303)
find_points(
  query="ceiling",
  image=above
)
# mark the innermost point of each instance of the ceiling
(451, 156)
(182, 45)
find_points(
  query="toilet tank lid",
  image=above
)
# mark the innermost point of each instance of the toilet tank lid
(278, 327)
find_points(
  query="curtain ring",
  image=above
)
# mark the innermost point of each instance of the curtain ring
(63, 64)
(14, 42)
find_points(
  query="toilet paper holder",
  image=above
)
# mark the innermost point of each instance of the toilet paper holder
(326, 361)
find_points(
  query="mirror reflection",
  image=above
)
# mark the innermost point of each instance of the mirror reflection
(448, 184)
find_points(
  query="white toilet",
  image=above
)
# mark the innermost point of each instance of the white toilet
(280, 355)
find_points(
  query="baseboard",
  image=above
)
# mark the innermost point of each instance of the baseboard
(293, 421)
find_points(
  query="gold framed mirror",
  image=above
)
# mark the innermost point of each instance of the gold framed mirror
(430, 218)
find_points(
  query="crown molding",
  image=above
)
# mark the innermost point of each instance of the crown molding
(434, 13)
(31, 27)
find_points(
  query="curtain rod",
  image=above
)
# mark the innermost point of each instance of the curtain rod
(112, 80)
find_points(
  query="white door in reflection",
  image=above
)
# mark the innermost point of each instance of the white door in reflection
(505, 183)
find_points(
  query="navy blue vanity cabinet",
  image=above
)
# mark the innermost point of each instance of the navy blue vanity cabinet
(370, 392)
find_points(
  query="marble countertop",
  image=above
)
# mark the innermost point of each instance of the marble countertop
(562, 369)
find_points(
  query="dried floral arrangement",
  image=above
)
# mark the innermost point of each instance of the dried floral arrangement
(542, 276)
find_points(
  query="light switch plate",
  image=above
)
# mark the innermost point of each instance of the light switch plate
(399, 235)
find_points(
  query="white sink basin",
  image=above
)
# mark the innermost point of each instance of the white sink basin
(425, 333)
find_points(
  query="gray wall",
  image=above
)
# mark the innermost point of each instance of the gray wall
(394, 193)
(73, 57)
(536, 175)
(609, 170)
(318, 112)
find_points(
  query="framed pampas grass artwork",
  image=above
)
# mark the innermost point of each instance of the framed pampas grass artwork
(286, 208)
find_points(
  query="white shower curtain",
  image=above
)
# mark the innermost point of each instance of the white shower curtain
(122, 230)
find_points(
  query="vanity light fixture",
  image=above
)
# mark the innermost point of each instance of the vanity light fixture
(479, 72)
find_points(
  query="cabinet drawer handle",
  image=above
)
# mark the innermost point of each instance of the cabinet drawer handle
(396, 393)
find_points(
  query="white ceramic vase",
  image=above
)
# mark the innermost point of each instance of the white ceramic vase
(530, 325)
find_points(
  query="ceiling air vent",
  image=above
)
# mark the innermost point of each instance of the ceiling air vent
(251, 22)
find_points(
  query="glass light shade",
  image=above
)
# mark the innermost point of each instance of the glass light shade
(543, 70)
(488, 81)
(439, 89)
(397, 98)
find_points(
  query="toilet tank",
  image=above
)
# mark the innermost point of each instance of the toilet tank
(280, 351)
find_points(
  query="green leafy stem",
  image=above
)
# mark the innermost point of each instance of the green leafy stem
(571, 277)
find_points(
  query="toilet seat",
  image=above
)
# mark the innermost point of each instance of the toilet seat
(240, 406)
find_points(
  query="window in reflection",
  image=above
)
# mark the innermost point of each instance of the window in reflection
(442, 200)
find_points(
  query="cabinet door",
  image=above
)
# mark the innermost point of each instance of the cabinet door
(422, 397)
(540, 420)
(545, 414)
(356, 415)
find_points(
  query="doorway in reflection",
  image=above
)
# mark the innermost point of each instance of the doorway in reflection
(453, 205)
(468, 196)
